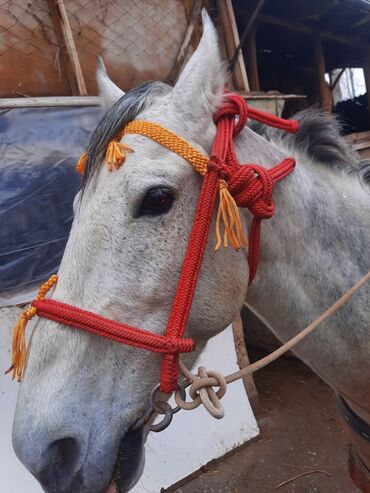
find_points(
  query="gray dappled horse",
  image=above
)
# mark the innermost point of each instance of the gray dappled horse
(81, 394)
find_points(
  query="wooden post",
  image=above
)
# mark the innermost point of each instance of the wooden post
(366, 68)
(323, 88)
(231, 37)
(193, 22)
(252, 62)
(243, 361)
(68, 48)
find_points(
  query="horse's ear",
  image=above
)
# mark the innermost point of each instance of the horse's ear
(108, 91)
(200, 85)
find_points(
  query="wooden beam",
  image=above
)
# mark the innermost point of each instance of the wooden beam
(250, 25)
(187, 41)
(337, 79)
(298, 26)
(323, 89)
(243, 361)
(366, 69)
(69, 53)
(232, 41)
(44, 102)
(252, 61)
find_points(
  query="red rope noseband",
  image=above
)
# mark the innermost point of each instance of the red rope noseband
(250, 185)
(110, 329)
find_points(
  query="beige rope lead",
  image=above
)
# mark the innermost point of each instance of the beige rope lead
(201, 385)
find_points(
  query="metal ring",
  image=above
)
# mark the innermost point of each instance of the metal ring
(144, 420)
(153, 402)
(166, 409)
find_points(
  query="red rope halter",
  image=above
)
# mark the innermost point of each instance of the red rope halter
(251, 186)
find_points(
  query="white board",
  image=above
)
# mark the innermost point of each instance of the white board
(193, 439)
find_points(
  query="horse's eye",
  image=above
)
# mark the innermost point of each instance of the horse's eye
(156, 201)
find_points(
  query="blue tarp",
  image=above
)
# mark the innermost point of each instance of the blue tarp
(39, 148)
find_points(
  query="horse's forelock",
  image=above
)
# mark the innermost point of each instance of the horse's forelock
(126, 109)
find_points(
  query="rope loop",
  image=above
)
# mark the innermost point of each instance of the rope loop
(202, 391)
(235, 105)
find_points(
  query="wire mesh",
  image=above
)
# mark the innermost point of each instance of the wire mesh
(138, 39)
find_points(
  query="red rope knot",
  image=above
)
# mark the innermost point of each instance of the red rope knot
(252, 186)
(218, 165)
(176, 346)
(234, 105)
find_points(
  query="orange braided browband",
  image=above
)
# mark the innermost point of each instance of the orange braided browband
(171, 141)
(228, 210)
(116, 150)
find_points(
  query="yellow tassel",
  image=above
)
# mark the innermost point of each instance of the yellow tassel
(116, 154)
(229, 213)
(82, 164)
(19, 344)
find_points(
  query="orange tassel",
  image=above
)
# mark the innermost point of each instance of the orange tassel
(229, 213)
(82, 164)
(116, 154)
(19, 344)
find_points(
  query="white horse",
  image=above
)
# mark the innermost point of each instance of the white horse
(81, 394)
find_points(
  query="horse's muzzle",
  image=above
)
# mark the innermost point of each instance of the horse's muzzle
(59, 467)
(63, 466)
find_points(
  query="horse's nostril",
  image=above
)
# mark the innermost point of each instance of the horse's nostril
(60, 464)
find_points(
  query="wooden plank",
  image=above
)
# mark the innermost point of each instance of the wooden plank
(361, 145)
(364, 153)
(187, 42)
(266, 95)
(358, 137)
(65, 39)
(49, 101)
(232, 41)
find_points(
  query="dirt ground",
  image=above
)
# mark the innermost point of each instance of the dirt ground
(300, 434)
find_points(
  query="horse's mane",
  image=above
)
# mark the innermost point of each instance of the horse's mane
(126, 109)
(319, 138)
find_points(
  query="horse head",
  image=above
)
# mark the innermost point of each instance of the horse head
(81, 394)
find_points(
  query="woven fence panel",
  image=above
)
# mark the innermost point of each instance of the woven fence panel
(138, 39)
(29, 52)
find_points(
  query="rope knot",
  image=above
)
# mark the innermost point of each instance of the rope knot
(235, 105)
(201, 391)
(219, 166)
(252, 186)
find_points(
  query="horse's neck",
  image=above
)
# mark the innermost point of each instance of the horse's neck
(315, 239)
(312, 250)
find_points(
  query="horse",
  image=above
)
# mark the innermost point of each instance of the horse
(82, 394)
